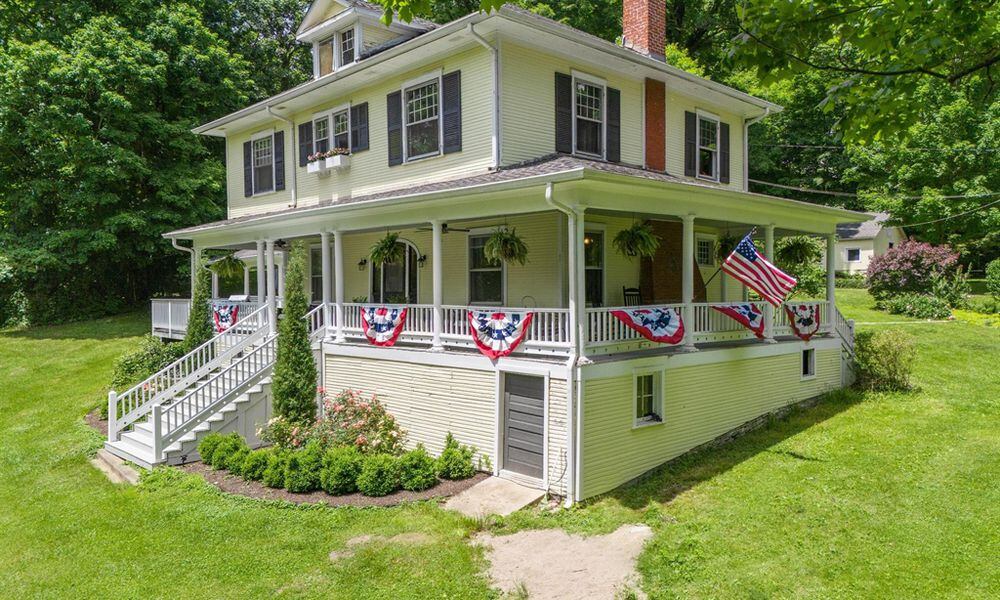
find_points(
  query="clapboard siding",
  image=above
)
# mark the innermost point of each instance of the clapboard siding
(700, 403)
(558, 475)
(677, 104)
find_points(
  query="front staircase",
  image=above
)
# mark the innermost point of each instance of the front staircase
(222, 386)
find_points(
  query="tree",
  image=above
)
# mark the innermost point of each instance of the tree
(294, 384)
(199, 327)
(881, 52)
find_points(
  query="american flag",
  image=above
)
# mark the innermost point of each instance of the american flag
(752, 269)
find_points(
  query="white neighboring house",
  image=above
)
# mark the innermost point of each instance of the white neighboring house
(857, 243)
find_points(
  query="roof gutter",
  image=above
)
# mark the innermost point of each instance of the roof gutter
(496, 92)
(746, 146)
(291, 125)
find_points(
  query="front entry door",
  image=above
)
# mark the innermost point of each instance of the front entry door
(524, 424)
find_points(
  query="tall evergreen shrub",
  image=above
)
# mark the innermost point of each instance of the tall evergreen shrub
(294, 384)
(199, 327)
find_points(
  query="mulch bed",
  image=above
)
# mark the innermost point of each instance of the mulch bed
(232, 484)
(94, 419)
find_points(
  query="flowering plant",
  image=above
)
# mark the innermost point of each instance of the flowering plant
(327, 154)
(909, 267)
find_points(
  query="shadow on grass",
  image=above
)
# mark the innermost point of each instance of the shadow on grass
(666, 482)
(106, 328)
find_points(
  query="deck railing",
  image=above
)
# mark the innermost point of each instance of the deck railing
(170, 315)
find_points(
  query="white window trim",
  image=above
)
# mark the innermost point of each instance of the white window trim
(265, 133)
(480, 232)
(701, 114)
(600, 228)
(638, 422)
(603, 84)
(371, 275)
(699, 237)
(328, 115)
(435, 75)
(812, 363)
(847, 255)
(338, 62)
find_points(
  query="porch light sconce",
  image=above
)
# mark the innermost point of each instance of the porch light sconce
(421, 260)
(362, 264)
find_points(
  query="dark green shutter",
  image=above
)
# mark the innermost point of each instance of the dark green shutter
(724, 152)
(451, 111)
(613, 128)
(394, 118)
(690, 144)
(564, 113)
(305, 143)
(247, 169)
(279, 160)
(359, 127)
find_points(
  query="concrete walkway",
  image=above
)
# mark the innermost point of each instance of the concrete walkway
(493, 496)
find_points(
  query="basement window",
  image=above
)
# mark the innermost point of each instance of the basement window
(648, 399)
(808, 363)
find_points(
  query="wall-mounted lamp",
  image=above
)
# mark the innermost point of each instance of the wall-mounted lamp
(362, 264)
(421, 260)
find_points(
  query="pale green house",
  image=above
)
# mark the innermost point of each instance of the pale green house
(447, 133)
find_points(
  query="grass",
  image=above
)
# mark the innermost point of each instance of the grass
(65, 531)
(865, 495)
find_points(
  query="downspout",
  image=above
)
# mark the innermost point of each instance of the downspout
(295, 146)
(573, 371)
(496, 93)
(173, 242)
(746, 146)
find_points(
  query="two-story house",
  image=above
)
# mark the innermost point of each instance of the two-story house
(442, 135)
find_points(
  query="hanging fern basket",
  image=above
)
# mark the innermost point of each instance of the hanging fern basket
(504, 245)
(228, 267)
(637, 240)
(386, 251)
(725, 246)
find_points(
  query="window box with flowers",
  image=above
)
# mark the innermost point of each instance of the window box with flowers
(323, 163)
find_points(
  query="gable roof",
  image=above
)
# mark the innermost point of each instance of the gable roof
(321, 12)
(865, 230)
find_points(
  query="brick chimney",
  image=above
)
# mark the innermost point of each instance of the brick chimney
(644, 26)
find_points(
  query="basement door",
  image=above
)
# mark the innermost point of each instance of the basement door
(524, 424)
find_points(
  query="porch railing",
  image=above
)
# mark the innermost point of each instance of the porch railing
(170, 315)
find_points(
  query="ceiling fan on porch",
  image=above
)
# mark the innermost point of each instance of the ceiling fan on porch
(444, 228)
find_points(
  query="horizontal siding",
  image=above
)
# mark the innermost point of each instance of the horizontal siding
(677, 104)
(700, 403)
(428, 401)
(369, 171)
(558, 475)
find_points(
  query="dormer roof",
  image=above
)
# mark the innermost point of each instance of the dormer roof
(323, 16)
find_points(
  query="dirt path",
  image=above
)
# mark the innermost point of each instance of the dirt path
(552, 564)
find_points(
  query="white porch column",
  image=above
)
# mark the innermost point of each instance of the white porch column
(272, 312)
(280, 291)
(578, 272)
(687, 280)
(768, 309)
(246, 280)
(831, 281)
(338, 278)
(215, 285)
(261, 272)
(437, 266)
(325, 264)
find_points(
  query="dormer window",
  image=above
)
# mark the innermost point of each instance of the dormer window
(347, 46)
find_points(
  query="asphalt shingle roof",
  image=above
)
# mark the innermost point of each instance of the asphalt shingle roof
(865, 230)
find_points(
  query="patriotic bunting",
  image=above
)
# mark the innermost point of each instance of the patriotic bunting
(498, 334)
(804, 319)
(747, 315)
(382, 325)
(663, 325)
(750, 268)
(224, 315)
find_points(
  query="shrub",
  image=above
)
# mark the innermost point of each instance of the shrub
(993, 279)
(230, 444)
(234, 464)
(285, 434)
(417, 470)
(303, 468)
(207, 445)
(986, 306)
(850, 281)
(199, 327)
(908, 267)
(274, 473)
(341, 467)
(455, 461)
(884, 359)
(350, 420)
(379, 475)
(920, 306)
(294, 381)
(145, 359)
(255, 463)
(953, 289)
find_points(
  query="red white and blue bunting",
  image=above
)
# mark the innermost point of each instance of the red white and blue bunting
(498, 333)
(382, 325)
(804, 319)
(224, 315)
(663, 325)
(747, 314)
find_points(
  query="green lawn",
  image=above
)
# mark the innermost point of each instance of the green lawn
(865, 495)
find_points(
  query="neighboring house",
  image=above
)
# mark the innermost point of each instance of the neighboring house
(857, 243)
(448, 132)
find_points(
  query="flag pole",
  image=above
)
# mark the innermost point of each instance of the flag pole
(717, 271)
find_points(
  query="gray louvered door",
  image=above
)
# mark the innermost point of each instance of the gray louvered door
(524, 424)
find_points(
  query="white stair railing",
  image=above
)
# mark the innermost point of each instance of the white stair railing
(127, 408)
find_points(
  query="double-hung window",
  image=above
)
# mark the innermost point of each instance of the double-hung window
(321, 134)
(593, 254)
(263, 164)
(423, 120)
(708, 147)
(485, 276)
(347, 52)
(589, 117)
(341, 130)
(705, 251)
(648, 398)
